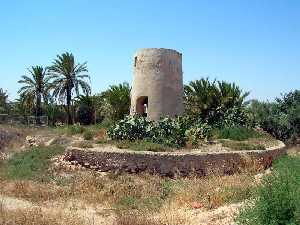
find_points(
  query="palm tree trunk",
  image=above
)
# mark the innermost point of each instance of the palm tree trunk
(69, 98)
(38, 108)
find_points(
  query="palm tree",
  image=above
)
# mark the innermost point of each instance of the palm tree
(118, 99)
(231, 95)
(3, 101)
(35, 87)
(200, 96)
(204, 96)
(68, 76)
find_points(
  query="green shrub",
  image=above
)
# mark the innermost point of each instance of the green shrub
(144, 145)
(170, 132)
(280, 118)
(277, 200)
(88, 135)
(199, 131)
(237, 133)
(31, 164)
(76, 129)
(85, 114)
(130, 128)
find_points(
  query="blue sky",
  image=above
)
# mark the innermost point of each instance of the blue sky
(255, 43)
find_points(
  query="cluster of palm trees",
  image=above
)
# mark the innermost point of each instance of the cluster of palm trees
(65, 79)
(203, 97)
(59, 81)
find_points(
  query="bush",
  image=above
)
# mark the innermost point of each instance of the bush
(217, 102)
(130, 128)
(76, 129)
(237, 133)
(199, 131)
(280, 118)
(85, 114)
(88, 135)
(228, 117)
(278, 198)
(169, 132)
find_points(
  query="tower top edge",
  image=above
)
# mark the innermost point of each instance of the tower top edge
(156, 50)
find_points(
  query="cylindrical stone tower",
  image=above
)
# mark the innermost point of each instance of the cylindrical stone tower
(157, 88)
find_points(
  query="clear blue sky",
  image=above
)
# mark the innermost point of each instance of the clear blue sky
(255, 43)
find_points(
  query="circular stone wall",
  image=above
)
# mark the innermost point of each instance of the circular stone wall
(157, 88)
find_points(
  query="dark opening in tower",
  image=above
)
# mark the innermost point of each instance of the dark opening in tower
(142, 106)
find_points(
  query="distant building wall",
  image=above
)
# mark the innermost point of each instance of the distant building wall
(157, 88)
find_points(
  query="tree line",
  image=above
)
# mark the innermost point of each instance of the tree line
(62, 91)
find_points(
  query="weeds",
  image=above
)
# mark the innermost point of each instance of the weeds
(238, 145)
(36, 216)
(237, 133)
(31, 164)
(88, 135)
(142, 145)
(277, 200)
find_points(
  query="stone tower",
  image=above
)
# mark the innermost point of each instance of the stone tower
(157, 88)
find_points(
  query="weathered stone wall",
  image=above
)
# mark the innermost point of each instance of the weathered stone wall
(173, 164)
(158, 76)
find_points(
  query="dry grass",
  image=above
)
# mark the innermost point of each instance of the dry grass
(36, 216)
(136, 192)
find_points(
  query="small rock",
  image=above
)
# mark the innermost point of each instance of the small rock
(197, 205)
(50, 142)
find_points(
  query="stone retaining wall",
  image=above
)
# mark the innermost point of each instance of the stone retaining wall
(174, 164)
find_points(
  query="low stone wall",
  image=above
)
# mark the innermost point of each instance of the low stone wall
(174, 164)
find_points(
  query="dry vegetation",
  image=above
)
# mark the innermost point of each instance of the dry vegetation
(65, 196)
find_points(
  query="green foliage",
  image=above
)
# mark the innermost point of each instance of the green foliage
(36, 88)
(131, 128)
(88, 135)
(237, 133)
(117, 101)
(170, 132)
(217, 102)
(278, 198)
(67, 77)
(31, 164)
(142, 145)
(3, 101)
(199, 131)
(228, 117)
(166, 131)
(281, 118)
(86, 109)
(75, 129)
(152, 203)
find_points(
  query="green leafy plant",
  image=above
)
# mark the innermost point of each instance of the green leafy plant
(217, 102)
(68, 77)
(277, 199)
(280, 118)
(88, 135)
(200, 131)
(237, 133)
(75, 129)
